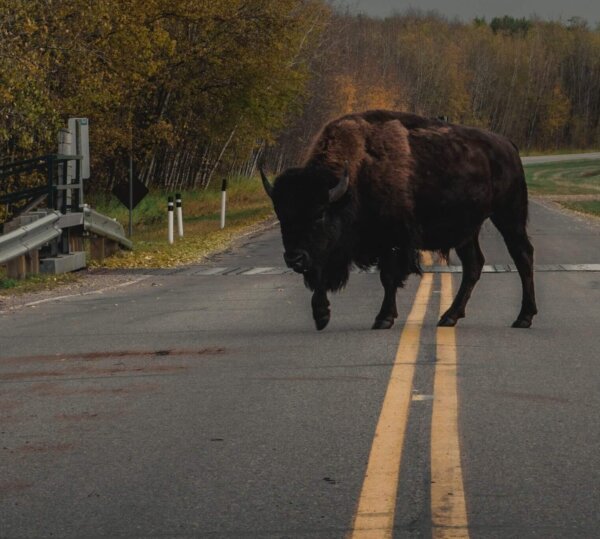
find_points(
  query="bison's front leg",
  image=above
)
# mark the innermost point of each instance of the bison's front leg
(388, 312)
(320, 304)
(320, 308)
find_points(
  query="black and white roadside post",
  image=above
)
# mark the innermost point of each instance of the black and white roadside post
(179, 211)
(170, 219)
(223, 201)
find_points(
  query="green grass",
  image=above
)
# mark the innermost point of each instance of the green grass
(33, 283)
(6, 283)
(565, 178)
(591, 207)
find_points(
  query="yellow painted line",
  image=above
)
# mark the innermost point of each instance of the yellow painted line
(374, 517)
(448, 506)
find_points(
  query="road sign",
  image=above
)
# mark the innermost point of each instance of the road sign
(121, 191)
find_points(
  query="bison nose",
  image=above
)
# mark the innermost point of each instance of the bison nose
(297, 260)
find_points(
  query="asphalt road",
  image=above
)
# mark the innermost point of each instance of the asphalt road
(198, 405)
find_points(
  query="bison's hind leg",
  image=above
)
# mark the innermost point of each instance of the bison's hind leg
(472, 261)
(515, 236)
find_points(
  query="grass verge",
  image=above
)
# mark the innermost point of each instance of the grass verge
(564, 178)
(591, 207)
(33, 283)
(564, 181)
(247, 205)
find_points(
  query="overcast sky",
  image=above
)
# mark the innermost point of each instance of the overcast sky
(469, 9)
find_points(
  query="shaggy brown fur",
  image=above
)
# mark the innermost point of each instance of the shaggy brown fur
(414, 183)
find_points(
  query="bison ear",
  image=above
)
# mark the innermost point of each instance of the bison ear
(268, 187)
(340, 189)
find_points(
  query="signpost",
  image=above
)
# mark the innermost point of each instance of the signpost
(130, 193)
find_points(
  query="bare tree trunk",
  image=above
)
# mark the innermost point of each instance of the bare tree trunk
(218, 160)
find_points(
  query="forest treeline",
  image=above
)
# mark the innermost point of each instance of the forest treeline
(201, 88)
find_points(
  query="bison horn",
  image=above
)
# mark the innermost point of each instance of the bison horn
(340, 189)
(268, 187)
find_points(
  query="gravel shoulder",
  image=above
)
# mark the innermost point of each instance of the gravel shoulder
(89, 282)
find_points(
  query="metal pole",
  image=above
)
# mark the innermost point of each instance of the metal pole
(223, 201)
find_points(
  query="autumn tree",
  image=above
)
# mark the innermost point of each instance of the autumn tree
(184, 81)
(200, 87)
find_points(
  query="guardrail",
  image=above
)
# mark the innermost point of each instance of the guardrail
(104, 226)
(97, 224)
(29, 237)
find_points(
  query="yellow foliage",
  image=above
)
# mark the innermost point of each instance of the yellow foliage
(557, 111)
(379, 97)
(350, 96)
(345, 94)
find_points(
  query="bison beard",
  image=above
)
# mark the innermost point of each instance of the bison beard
(377, 187)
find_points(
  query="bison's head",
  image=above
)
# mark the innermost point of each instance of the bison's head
(304, 200)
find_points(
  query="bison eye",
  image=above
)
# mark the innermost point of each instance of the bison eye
(320, 219)
(320, 215)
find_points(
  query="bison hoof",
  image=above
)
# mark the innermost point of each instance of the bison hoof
(320, 323)
(447, 321)
(384, 323)
(523, 323)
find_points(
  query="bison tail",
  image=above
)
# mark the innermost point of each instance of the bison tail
(416, 263)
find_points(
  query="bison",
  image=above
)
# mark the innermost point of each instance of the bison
(379, 186)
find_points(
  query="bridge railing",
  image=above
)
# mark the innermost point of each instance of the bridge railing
(53, 178)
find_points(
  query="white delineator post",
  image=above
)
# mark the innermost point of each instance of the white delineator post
(223, 201)
(170, 219)
(179, 210)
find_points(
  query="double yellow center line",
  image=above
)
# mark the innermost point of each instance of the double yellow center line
(374, 517)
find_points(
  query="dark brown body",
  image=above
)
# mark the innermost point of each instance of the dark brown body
(412, 183)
